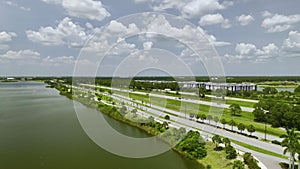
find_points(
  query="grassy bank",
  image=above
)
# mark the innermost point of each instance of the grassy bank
(257, 149)
(115, 114)
(246, 118)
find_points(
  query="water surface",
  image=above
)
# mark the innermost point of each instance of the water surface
(39, 130)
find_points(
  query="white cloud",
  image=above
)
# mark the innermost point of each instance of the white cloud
(245, 19)
(110, 34)
(28, 57)
(89, 25)
(280, 23)
(66, 33)
(57, 61)
(212, 19)
(147, 45)
(53, 1)
(106, 36)
(248, 51)
(217, 43)
(289, 48)
(22, 56)
(291, 45)
(189, 8)
(6, 37)
(10, 3)
(122, 48)
(152, 24)
(89, 9)
(266, 14)
(245, 49)
(267, 52)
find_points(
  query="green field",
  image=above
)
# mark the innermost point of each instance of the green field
(245, 117)
(241, 103)
(212, 155)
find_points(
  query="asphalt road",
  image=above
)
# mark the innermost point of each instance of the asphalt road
(220, 105)
(207, 131)
(179, 118)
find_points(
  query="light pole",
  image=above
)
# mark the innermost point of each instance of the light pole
(265, 120)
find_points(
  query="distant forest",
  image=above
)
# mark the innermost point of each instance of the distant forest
(229, 79)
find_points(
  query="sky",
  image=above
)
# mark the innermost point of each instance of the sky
(149, 37)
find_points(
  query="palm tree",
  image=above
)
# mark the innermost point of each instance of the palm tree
(192, 116)
(216, 119)
(226, 141)
(198, 117)
(251, 129)
(165, 125)
(232, 123)
(291, 142)
(209, 118)
(223, 121)
(203, 117)
(217, 140)
(241, 127)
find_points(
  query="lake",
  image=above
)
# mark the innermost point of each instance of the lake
(39, 130)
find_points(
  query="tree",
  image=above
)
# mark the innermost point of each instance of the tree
(167, 117)
(291, 143)
(123, 110)
(191, 145)
(232, 123)
(134, 111)
(217, 140)
(241, 127)
(270, 90)
(226, 141)
(231, 152)
(251, 129)
(165, 125)
(192, 115)
(297, 89)
(182, 130)
(250, 161)
(209, 118)
(203, 117)
(259, 115)
(235, 109)
(223, 121)
(151, 119)
(201, 92)
(198, 116)
(238, 164)
(216, 119)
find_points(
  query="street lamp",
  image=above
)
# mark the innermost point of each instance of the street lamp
(265, 120)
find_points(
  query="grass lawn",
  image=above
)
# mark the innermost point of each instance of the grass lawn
(217, 159)
(245, 117)
(241, 103)
(257, 149)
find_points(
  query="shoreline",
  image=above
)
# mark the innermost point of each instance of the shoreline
(105, 110)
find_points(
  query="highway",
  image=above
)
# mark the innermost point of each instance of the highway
(208, 131)
(179, 120)
(220, 105)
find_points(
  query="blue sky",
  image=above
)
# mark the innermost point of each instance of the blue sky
(46, 37)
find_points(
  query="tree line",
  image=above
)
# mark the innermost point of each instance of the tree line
(277, 114)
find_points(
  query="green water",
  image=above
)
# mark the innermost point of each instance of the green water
(39, 130)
